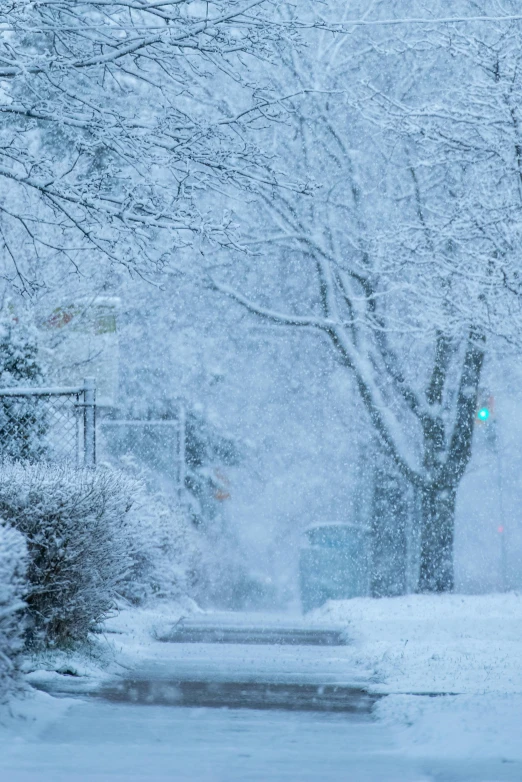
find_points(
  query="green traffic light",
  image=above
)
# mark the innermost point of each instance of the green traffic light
(483, 414)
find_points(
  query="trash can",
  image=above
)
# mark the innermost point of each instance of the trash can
(334, 564)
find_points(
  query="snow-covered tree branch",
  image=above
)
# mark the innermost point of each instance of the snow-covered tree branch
(122, 123)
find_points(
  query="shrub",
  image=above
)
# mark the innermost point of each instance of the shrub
(79, 543)
(13, 585)
(164, 549)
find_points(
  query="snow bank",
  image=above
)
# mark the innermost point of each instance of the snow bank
(469, 727)
(124, 641)
(437, 643)
(465, 648)
(26, 716)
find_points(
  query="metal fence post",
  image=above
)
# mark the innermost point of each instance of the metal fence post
(89, 421)
(182, 439)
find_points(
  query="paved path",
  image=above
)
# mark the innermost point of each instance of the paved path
(292, 731)
(104, 742)
(250, 662)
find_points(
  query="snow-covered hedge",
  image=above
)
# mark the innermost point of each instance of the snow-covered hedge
(13, 556)
(79, 541)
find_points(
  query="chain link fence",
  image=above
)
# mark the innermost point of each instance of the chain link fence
(55, 424)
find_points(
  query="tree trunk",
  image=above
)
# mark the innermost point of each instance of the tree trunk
(437, 535)
(390, 509)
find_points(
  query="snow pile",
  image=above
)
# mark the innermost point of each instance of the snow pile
(77, 532)
(12, 588)
(125, 640)
(437, 643)
(465, 648)
(25, 718)
(469, 727)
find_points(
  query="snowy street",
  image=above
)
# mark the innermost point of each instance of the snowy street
(98, 742)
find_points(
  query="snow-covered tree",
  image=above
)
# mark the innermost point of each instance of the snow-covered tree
(376, 260)
(23, 423)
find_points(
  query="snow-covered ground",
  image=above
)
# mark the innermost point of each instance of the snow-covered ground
(467, 649)
(129, 649)
(107, 742)
(124, 641)
(90, 740)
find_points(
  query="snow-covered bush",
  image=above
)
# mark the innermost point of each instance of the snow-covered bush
(79, 542)
(163, 550)
(164, 544)
(13, 554)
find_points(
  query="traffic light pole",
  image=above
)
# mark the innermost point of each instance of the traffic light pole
(484, 414)
(501, 526)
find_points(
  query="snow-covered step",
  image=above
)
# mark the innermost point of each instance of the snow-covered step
(234, 660)
(235, 695)
(230, 628)
(252, 635)
(284, 674)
